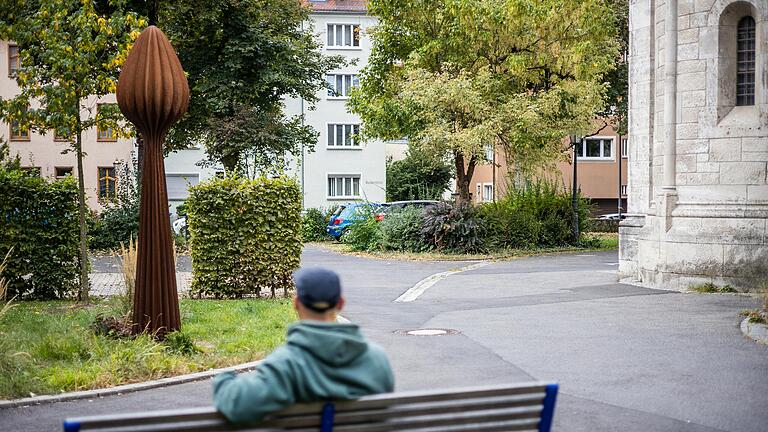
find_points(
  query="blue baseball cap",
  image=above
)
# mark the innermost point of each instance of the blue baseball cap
(317, 288)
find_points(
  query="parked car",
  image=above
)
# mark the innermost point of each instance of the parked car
(346, 215)
(180, 226)
(612, 216)
(399, 205)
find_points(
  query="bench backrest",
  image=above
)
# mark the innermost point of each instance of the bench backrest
(514, 407)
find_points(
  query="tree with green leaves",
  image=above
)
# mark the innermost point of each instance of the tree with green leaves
(70, 55)
(456, 76)
(417, 177)
(243, 58)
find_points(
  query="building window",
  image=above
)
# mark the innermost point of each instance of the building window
(624, 147)
(344, 186)
(623, 190)
(105, 133)
(488, 192)
(13, 60)
(745, 62)
(343, 135)
(489, 152)
(107, 182)
(62, 172)
(19, 133)
(595, 148)
(340, 85)
(343, 35)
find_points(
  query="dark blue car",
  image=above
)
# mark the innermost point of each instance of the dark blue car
(346, 215)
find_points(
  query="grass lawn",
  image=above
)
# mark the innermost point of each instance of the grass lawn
(49, 347)
(599, 241)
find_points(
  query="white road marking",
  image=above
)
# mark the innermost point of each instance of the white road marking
(415, 291)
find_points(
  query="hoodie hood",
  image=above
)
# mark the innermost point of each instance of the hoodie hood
(332, 343)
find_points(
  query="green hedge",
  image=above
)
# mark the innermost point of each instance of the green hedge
(116, 225)
(40, 222)
(245, 236)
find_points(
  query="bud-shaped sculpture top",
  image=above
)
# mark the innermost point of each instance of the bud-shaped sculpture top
(152, 91)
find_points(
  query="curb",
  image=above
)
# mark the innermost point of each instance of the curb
(127, 388)
(757, 332)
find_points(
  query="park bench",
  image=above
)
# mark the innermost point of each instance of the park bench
(514, 407)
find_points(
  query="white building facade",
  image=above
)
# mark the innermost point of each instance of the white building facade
(340, 169)
(698, 185)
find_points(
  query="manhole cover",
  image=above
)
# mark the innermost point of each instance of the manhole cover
(427, 332)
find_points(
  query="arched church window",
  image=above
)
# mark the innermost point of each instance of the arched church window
(745, 65)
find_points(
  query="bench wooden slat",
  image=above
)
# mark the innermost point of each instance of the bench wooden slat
(475, 408)
(411, 410)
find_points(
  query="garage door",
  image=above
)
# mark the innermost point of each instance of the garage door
(178, 185)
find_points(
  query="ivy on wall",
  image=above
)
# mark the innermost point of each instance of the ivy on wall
(245, 236)
(38, 219)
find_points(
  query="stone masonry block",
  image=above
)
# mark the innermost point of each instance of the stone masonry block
(702, 157)
(687, 131)
(754, 156)
(686, 163)
(694, 259)
(688, 52)
(698, 19)
(692, 81)
(688, 36)
(708, 43)
(745, 261)
(693, 99)
(689, 115)
(696, 179)
(685, 7)
(757, 192)
(688, 66)
(742, 173)
(707, 167)
(731, 230)
(712, 193)
(725, 149)
(689, 146)
(755, 144)
(703, 5)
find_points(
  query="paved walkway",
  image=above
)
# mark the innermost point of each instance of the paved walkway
(109, 284)
(628, 358)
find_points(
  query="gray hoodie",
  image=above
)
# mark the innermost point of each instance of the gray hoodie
(320, 361)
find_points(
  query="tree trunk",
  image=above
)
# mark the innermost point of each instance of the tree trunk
(82, 295)
(463, 177)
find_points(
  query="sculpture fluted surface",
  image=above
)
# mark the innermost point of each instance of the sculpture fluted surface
(153, 93)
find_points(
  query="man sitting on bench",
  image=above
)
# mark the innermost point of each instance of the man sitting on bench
(322, 359)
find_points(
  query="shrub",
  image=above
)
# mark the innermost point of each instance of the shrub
(40, 222)
(602, 225)
(313, 225)
(505, 226)
(115, 226)
(364, 234)
(452, 228)
(245, 236)
(401, 230)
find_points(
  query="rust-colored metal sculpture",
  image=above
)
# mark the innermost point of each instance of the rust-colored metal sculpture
(153, 93)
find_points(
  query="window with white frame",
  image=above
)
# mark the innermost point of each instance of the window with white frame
(340, 85)
(343, 35)
(344, 186)
(489, 152)
(623, 189)
(488, 192)
(596, 148)
(343, 135)
(624, 147)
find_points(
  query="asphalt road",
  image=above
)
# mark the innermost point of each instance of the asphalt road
(627, 358)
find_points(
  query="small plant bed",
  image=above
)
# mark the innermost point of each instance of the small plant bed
(52, 347)
(709, 287)
(593, 242)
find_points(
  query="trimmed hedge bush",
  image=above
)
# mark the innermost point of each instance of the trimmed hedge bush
(245, 236)
(40, 222)
(116, 225)
(602, 225)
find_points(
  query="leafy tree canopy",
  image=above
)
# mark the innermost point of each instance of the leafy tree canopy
(457, 75)
(243, 57)
(417, 177)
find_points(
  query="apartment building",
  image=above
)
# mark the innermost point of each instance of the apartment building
(45, 153)
(341, 168)
(601, 158)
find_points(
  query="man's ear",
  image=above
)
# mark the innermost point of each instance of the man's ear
(296, 304)
(340, 305)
